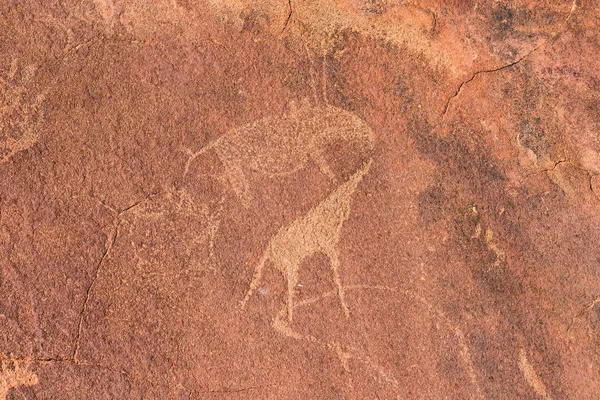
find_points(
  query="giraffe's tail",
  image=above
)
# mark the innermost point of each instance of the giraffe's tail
(255, 279)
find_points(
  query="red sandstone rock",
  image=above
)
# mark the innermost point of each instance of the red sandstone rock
(298, 200)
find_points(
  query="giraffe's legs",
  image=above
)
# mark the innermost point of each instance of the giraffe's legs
(255, 280)
(290, 298)
(289, 268)
(335, 264)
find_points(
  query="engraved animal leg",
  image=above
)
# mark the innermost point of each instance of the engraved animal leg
(335, 266)
(255, 279)
(292, 281)
(290, 299)
(324, 77)
(239, 183)
(290, 272)
(312, 71)
(4, 385)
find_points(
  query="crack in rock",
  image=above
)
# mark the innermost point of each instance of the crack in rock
(110, 243)
(289, 17)
(512, 64)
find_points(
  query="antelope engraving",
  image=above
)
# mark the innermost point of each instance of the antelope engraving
(318, 231)
(281, 145)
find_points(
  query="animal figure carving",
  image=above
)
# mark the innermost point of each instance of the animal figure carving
(318, 231)
(20, 111)
(14, 377)
(282, 145)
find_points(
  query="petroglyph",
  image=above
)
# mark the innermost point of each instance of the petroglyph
(318, 231)
(282, 145)
(20, 111)
(465, 355)
(210, 212)
(318, 23)
(491, 244)
(12, 375)
(111, 239)
(531, 376)
(179, 203)
(346, 354)
(488, 238)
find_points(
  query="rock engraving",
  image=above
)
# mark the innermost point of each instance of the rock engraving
(318, 231)
(20, 111)
(13, 375)
(282, 145)
(351, 355)
(531, 376)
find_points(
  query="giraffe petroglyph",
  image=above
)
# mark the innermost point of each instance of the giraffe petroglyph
(318, 231)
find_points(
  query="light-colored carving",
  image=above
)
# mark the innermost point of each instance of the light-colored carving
(172, 204)
(209, 212)
(531, 376)
(317, 24)
(13, 375)
(318, 231)
(465, 354)
(491, 244)
(20, 111)
(349, 354)
(346, 354)
(282, 145)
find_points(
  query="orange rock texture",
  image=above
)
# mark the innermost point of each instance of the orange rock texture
(299, 199)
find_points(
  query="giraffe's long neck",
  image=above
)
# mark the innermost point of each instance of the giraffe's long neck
(349, 187)
(338, 201)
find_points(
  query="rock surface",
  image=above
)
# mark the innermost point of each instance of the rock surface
(299, 199)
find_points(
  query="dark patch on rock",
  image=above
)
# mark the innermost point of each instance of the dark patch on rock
(503, 16)
(533, 138)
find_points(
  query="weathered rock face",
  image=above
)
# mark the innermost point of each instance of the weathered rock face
(298, 200)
